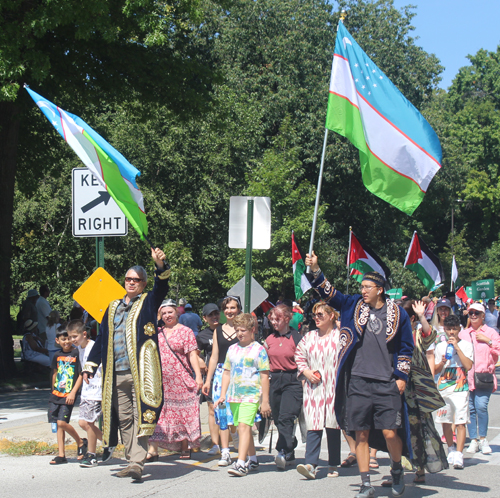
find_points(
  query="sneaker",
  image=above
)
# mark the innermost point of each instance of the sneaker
(236, 440)
(133, 471)
(280, 460)
(290, 457)
(451, 457)
(307, 470)
(365, 492)
(215, 450)
(252, 466)
(225, 459)
(458, 460)
(237, 470)
(485, 447)
(89, 460)
(398, 482)
(473, 446)
(107, 453)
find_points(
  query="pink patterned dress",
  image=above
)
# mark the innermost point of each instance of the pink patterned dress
(319, 353)
(180, 415)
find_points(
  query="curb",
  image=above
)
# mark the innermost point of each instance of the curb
(24, 387)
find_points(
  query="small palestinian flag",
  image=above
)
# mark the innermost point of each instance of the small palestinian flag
(361, 259)
(461, 294)
(424, 263)
(300, 281)
(454, 275)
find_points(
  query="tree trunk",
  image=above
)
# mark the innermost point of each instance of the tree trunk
(9, 138)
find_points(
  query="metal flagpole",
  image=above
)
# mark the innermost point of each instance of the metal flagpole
(318, 193)
(348, 259)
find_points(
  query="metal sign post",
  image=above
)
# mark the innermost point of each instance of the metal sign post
(248, 256)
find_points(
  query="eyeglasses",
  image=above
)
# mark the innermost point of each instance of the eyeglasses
(368, 287)
(475, 312)
(133, 279)
(319, 316)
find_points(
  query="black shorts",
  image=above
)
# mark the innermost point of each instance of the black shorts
(373, 404)
(59, 412)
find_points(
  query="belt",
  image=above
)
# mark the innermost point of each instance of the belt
(284, 371)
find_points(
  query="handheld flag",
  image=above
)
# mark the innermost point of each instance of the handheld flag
(363, 259)
(461, 294)
(300, 281)
(398, 150)
(108, 166)
(454, 274)
(424, 263)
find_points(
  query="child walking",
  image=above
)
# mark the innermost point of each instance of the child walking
(452, 366)
(91, 395)
(245, 380)
(66, 382)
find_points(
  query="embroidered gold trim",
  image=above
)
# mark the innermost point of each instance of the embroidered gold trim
(164, 275)
(146, 430)
(89, 367)
(149, 329)
(150, 375)
(345, 341)
(107, 384)
(149, 416)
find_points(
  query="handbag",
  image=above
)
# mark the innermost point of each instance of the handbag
(482, 380)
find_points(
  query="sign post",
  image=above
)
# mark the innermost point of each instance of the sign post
(248, 256)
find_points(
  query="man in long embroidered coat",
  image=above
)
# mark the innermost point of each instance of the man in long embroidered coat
(127, 347)
(375, 351)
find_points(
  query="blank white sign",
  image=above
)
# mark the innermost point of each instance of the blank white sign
(238, 206)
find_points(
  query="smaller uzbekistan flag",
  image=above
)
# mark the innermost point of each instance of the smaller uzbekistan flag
(424, 263)
(300, 281)
(454, 275)
(361, 259)
(399, 152)
(108, 166)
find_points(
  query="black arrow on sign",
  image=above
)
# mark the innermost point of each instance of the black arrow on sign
(104, 196)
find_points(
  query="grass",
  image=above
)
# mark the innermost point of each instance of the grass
(26, 448)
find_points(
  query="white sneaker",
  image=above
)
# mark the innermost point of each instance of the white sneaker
(473, 446)
(215, 450)
(451, 455)
(458, 460)
(485, 447)
(225, 459)
(236, 440)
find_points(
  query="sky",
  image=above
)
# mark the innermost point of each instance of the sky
(452, 29)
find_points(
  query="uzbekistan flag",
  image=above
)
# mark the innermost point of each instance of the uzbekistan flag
(424, 263)
(300, 281)
(361, 259)
(398, 150)
(109, 167)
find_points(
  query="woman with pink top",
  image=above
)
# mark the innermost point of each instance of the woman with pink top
(486, 344)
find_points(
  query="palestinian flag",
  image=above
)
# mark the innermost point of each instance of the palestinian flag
(361, 259)
(454, 275)
(424, 263)
(461, 294)
(300, 281)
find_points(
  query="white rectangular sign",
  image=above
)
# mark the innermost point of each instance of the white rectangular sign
(238, 207)
(95, 212)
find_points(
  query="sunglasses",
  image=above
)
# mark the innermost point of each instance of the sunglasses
(133, 279)
(475, 313)
(320, 316)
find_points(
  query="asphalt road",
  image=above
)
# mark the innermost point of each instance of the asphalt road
(23, 416)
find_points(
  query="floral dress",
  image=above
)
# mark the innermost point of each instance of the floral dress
(422, 398)
(180, 415)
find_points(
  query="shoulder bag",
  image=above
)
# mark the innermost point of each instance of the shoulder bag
(482, 380)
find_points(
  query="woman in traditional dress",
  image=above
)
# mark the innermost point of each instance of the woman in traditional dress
(224, 336)
(178, 427)
(422, 398)
(317, 360)
(285, 388)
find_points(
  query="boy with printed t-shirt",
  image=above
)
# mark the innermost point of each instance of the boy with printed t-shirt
(454, 388)
(245, 380)
(91, 395)
(66, 382)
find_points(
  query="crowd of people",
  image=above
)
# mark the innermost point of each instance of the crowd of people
(381, 372)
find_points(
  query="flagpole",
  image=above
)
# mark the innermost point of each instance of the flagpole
(348, 259)
(318, 193)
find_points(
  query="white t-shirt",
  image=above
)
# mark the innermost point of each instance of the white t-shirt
(453, 377)
(92, 390)
(43, 310)
(490, 318)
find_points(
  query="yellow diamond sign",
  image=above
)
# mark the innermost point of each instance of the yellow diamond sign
(97, 292)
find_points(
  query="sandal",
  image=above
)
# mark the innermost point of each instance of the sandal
(349, 461)
(152, 458)
(82, 450)
(185, 455)
(332, 472)
(58, 460)
(387, 483)
(419, 478)
(373, 463)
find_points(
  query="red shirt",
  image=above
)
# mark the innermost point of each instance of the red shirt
(281, 350)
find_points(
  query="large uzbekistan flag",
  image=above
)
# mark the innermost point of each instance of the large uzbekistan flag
(109, 167)
(362, 259)
(424, 263)
(398, 150)
(300, 282)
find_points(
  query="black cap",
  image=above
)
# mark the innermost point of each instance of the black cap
(209, 308)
